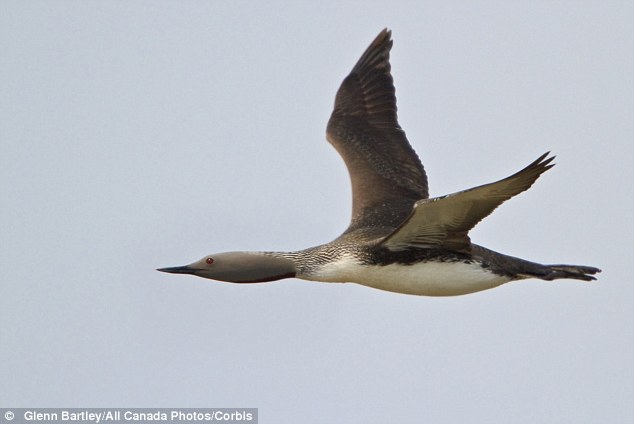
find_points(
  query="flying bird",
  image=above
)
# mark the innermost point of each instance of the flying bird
(398, 239)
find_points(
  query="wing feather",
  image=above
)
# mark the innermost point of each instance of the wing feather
(386, 174)
(444, 222)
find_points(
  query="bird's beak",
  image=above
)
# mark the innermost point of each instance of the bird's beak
(186, 269)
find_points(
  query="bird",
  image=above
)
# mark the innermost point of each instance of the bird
(399, 239)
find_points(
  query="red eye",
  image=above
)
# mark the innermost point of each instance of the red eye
(210, 261)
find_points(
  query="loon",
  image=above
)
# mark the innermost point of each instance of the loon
(398, 239)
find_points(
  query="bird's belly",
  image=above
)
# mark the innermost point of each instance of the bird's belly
(432, 278)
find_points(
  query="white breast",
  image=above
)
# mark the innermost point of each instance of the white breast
(424, 278)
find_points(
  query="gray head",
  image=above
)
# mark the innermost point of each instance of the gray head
(239, 267)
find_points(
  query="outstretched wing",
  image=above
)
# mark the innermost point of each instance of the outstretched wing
(444, 222)
(387, 176)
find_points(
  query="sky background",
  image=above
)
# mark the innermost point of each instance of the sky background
(138, 135)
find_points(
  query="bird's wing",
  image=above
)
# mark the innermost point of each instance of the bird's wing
(443, 222)
(387, 176)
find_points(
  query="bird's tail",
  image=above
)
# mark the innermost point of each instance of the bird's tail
(520, 268)
(577, 272)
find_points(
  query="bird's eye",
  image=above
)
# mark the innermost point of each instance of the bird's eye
(210, 261)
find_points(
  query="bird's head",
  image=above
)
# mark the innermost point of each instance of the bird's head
(239, 267)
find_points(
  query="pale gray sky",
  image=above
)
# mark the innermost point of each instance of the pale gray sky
(144, 134)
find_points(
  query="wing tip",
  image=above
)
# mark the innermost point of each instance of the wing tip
(539, 165)
(385, 33)
(544, 159)
(377, 52)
